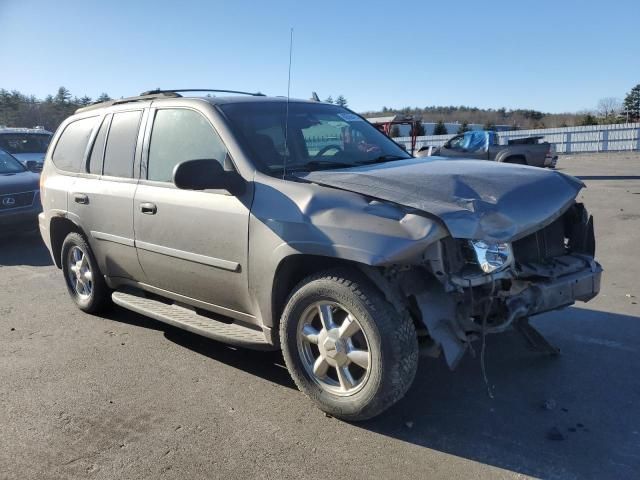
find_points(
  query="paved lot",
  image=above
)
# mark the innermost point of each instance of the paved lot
(126, 397)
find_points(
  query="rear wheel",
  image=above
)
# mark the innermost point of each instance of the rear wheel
(82, 275)
(346, 347)
(516, 160)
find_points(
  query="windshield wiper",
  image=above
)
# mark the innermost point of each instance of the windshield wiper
(319, 164)
(382, 159)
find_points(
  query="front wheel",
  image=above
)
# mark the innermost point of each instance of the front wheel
(346, 347)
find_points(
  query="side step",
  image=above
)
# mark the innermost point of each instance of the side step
(186, 319)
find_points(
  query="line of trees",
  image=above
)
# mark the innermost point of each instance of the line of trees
(20, 110)
(608, 110)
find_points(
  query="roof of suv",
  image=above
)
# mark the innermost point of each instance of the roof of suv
(242, 97)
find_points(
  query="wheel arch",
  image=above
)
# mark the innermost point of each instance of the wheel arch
(59, 228)
(516, 158)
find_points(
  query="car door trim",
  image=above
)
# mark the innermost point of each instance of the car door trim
(129, 242)
(191, 257)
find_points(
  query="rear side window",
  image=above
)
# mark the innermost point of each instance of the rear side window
(121, 144)
(70, 149)
(97, 152)
(179, 135)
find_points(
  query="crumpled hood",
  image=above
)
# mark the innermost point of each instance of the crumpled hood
(476, 199)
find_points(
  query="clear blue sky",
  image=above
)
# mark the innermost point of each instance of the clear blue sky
(554, 56)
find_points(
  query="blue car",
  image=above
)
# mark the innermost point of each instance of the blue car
(19, 195)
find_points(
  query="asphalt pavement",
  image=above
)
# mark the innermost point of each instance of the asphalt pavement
(125, 397)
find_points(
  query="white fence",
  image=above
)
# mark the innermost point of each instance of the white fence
(596, 138)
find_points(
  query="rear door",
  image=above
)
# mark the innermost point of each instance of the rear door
(102, 198)
(191, 243)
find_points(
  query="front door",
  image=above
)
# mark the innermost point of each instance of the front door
(191, 243)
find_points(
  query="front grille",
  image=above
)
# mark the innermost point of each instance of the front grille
(16, 200)
(542, 245)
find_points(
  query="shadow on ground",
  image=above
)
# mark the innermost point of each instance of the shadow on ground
(609, 177)
(268, 365)
(24, 249)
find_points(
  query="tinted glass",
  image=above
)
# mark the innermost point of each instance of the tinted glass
(8, 164)
(25, 142)
(97, 151)
(179, 135)
(70, 149)
(318, 136)
(121, 144)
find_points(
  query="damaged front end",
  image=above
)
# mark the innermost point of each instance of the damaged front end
(464, 289)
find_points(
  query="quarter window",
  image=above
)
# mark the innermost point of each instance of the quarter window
(121, 144)
(72, 145)
(97, 152)
(179, 135)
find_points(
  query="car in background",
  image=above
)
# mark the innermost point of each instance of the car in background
(25, 144)
(484, 145)
(19, 195)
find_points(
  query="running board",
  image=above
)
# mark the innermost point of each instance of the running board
(187, 319)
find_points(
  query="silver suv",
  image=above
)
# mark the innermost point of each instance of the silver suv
(267, 223)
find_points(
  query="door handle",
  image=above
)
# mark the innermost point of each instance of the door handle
(148, 208)
(80, 198)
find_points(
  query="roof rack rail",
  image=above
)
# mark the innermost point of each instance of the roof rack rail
(159, 91)
(139, 98)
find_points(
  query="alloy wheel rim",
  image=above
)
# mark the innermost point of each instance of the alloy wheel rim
(79, 273)
(334, 348)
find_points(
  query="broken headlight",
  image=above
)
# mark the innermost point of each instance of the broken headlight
(491, 257)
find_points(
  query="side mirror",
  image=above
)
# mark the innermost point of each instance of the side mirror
(204, 174)
(34, 166)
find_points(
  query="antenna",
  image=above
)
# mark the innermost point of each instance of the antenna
(286, 121)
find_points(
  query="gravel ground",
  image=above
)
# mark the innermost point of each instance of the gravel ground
(125, 397)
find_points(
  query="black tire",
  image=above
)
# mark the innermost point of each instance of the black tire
(99, 297)
(391, 339)
(516, 161)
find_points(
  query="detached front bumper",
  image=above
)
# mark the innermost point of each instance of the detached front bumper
(532, 296)
(493, 303)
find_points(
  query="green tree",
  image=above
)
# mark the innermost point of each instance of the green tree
(395, 131)
(440, 128)
(588, 119)
(85, 100)
(631, 104)
(489, 126)
(464, 127)
(62, 97)
(103, 98)
(329, 99)
(341, 101)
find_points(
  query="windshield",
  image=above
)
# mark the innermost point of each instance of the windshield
(17, 143)
(319, 136)
(8, 164)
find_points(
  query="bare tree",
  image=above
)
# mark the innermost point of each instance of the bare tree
(609, 107)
